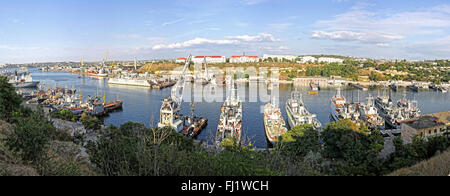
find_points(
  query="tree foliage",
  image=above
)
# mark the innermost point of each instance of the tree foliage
(9, 100)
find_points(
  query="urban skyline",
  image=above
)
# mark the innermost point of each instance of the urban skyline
(49, 31)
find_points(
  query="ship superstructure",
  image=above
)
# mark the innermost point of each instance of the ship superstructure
(341, 109)
(298, 113)
(274, 124)
(230, 121)
(369, 114)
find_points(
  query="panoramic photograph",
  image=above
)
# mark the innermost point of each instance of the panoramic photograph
(224, 88)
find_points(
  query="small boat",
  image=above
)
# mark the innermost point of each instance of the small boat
(195, 128)
(113, 106)
(313, 93)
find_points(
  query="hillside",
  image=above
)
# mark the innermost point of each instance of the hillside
(436, 166)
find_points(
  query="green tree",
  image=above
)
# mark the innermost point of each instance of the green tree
(90, 122)
(299, 141)
(9, 100)
(30, 137)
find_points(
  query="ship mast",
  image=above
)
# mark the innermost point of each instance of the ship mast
(135, 64)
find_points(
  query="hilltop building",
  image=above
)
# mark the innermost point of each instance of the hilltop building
(306, 59)
(280, 57)
(181, 60)
(430, 125)
(244, 59)
(209, 59)
(330, 60)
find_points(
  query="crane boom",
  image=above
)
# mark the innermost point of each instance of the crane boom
(177, 90)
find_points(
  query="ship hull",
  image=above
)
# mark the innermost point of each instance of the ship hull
(333, 114)
(25, 84)
(142, 83)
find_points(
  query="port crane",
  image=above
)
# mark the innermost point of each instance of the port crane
(171, 106)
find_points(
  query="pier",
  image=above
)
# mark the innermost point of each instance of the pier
(358, 86)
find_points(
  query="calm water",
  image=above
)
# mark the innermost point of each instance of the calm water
(142, 104)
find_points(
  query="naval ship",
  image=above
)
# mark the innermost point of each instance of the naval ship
(230, 122)
(274, 124)
(341, 109)
(298, 114)
(369, 114)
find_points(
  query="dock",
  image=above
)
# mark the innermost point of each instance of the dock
(358, 86)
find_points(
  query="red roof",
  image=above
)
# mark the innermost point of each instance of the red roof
(202, 57)
(244, 56)
(181, 58)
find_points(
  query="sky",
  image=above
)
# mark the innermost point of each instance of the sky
(68, 30)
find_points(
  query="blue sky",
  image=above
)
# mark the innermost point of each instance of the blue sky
(66, 30)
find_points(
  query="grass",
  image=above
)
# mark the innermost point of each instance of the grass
(436, 166)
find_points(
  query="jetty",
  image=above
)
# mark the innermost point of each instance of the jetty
(358, 86)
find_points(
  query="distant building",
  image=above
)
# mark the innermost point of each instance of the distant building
(426, 126)
(330, 60)
(209, 59)
(181, 60)
(280, 57)
(244, 59)
(306, 59)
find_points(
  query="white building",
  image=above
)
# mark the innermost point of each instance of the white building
(280, 57)
(330, 60)
(244, 59)
(181, 60)
(306, 59)
(209, 59)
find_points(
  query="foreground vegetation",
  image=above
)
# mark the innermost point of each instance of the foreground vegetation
(30, 145)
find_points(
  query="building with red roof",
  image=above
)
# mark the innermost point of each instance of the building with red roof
(244, 59)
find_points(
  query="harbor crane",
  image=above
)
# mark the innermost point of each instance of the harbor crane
(171, 106)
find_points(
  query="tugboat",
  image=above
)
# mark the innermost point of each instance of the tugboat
(193, 130)
(274, 124)
(230, 122)
(298, 114)
(169, 117)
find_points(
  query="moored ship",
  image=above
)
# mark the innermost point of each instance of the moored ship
(130, 82)
(369, 114)
(298, 114)
(341, 109)
(230, 121)
(274, 124)
(23, 80)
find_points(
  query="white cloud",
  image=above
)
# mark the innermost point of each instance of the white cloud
(262, 37)
(229, 40)
(414, 22)
(275, 49)
(194, 42)
(173, 22)
(364, 37)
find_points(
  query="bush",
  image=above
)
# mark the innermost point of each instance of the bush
(9, 100)
(90, 122)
